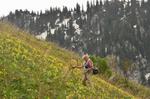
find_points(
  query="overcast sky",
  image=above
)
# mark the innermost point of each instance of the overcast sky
(36, 5)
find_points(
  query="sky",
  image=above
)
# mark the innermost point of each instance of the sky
(36, 5)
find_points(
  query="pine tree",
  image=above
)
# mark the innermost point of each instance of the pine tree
(78, 10)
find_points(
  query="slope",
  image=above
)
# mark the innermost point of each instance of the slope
(31, 69)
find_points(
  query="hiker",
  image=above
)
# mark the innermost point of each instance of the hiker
(88, 69)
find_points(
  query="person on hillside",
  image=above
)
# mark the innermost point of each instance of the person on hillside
(87, 69)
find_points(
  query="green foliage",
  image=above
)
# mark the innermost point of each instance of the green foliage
(25, 69)
(102, 65)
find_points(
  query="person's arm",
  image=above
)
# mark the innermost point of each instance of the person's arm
(79, 67)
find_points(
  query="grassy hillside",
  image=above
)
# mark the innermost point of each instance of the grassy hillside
(34, 69)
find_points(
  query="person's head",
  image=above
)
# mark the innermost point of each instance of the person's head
(85, 57)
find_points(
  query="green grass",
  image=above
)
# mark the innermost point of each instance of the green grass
(34, 69)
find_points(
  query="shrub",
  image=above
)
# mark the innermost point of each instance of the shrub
(102, 65)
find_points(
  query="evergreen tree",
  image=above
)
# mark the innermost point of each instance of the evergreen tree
(78, 9)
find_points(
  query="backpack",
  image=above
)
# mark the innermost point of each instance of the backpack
(95, 71)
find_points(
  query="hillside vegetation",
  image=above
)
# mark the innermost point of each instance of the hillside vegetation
(34, 69)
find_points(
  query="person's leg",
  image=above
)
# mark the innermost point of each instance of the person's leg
(89, 78)
(84, 79)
